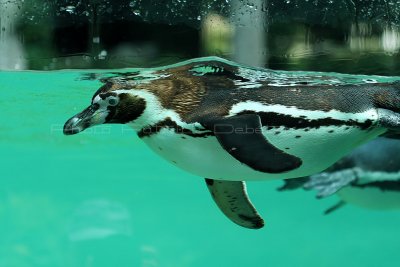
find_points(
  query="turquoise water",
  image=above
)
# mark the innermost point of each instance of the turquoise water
(101, 198)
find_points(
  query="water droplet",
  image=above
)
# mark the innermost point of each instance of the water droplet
(103, 54)
(69, 9)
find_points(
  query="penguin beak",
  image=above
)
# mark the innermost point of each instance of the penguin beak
(89, 117)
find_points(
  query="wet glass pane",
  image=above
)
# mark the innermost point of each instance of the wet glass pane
(347, 36)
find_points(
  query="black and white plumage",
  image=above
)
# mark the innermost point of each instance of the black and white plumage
(368, 177)
(220, 120)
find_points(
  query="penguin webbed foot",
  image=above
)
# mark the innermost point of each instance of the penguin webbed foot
(328, 183)
(293, 184)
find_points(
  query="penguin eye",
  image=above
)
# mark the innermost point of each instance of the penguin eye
(113, 101)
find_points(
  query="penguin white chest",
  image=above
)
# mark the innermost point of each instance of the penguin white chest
(205, 157)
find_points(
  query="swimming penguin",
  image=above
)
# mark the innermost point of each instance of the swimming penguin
(368, 177)
(231, 123)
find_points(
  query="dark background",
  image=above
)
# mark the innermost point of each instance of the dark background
(345, 35)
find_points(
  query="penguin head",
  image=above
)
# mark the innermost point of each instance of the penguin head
(107, 106)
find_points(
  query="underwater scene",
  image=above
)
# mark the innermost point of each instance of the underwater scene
(127, 129)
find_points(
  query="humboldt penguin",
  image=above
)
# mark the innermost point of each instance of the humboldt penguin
(368, 177)
(230, 123)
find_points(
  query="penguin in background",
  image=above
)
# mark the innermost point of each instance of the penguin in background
(368, 177)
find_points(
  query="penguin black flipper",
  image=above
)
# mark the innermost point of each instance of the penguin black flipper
(231, 198)
(241, 136)
(335, 207)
